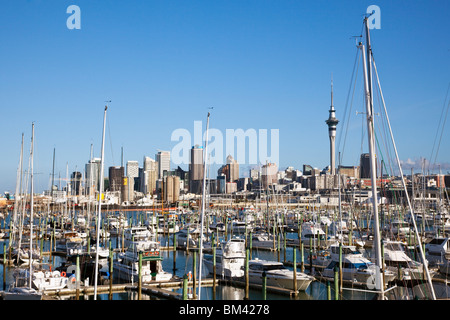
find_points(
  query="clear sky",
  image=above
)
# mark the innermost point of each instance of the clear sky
(261, 64)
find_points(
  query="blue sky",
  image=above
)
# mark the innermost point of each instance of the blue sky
(261, 64)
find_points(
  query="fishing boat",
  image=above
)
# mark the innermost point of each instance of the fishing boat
(230, 259)
(277, 275)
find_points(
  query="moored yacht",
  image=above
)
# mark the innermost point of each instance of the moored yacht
(355, 267)
(230, 259)
(277, 275)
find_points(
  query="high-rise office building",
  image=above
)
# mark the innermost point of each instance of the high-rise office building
(116, 175)
(75, 182)
(163, 160)
(92, 174)
(132, 169)
(196, 170)
(230, 170)
(234, 168)
(269, 174)
(364, 166)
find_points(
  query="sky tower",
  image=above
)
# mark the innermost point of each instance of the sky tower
(332, 122)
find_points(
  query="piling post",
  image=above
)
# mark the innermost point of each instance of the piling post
(340, 268)
(4, 266)
(336, 283)
(302, 256)
(294, 259)
(264, 285)
(278, 246)
(310, 255)
(214, 265)
(185, 287)
(174, 252)
(246, 275)
(111, 262)
(194, 276)
(140, 276)
(328, 290)
(77, 276)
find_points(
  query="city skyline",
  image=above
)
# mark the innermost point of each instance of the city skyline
(259, 65)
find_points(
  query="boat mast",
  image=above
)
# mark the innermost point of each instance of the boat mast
(30, 253)
(99, 205)
(370, 128)
(16, 197)
(203, 210)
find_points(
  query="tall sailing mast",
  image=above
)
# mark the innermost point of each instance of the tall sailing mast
(99, 205)
(31, 203)
(205, 157)
(367, 70)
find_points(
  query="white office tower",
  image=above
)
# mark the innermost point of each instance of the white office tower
(163, 160)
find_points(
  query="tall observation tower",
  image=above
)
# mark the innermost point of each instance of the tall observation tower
(332, 122)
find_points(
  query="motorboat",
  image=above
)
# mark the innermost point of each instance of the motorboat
(189, 237)
(41, 279)
(263, 240)
(126, 266)
(437, 249)
(138, 237)
(230, 259)
(277, 275)
(313, 234)
(21, 293)
(355, 267)
(400, 263)
(240, 227)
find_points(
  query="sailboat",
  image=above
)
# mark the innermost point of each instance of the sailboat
(367, 74)
(24, 291)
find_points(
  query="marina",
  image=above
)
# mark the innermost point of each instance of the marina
(112, 232)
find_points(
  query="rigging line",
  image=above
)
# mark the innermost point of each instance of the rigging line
(383, 134)
(355, 65)
(404, 186)
(351, 104)
(440, 119)
(110, 142)
(440, 138)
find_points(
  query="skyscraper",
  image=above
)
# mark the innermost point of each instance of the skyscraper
(92, 174)
(132, 169)
(332, 123)
(163, 159)
(116, 175)
(196, 169)
(234, 168)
